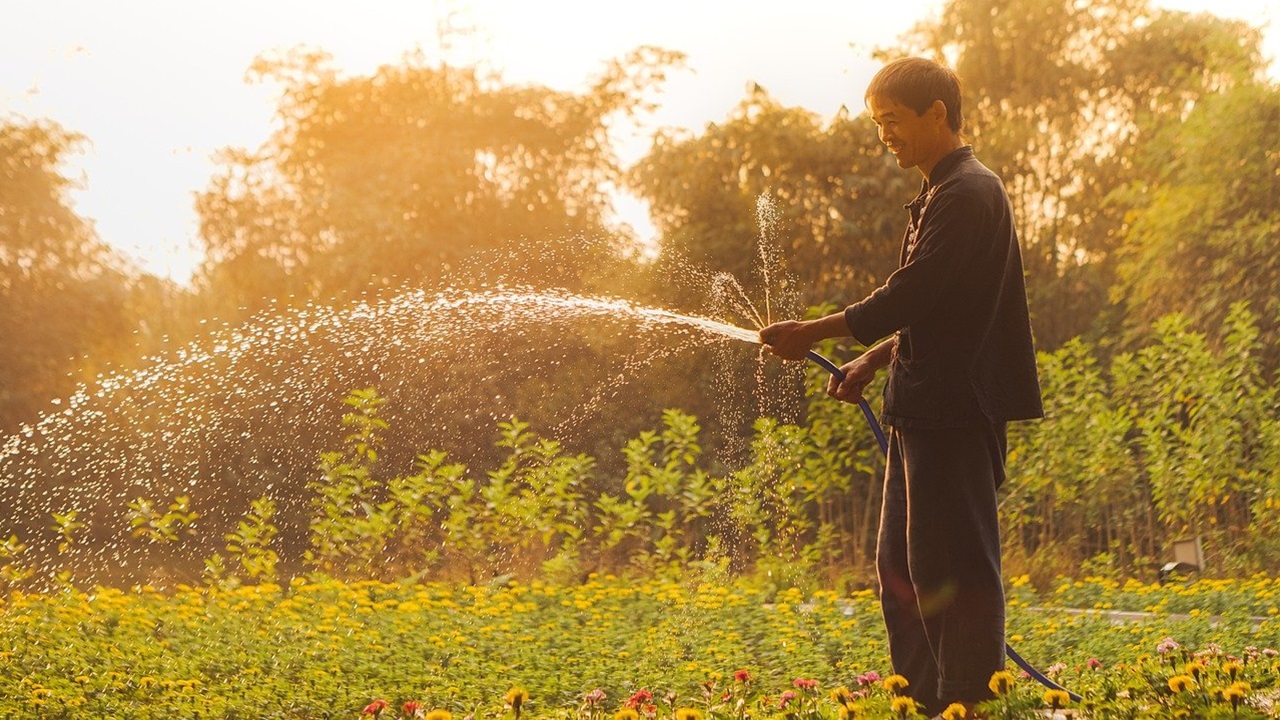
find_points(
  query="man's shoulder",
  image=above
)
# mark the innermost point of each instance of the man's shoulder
(973, 181)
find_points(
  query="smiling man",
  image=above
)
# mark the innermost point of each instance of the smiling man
(952, 326)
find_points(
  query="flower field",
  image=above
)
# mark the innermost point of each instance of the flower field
(606, 648)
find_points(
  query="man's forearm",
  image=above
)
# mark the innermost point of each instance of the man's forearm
(880, 354)
(834, 326)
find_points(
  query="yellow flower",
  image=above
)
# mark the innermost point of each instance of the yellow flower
(955, 711)
(1234, 694)
(687, 713)
(1001, 682)
(850, 711)
(895, 684)
(1181, 683)
(904, 706)
(439, 715)
(1056, 698)
(1232, 669)
(516, 697)
(626, 714)
(841, 695)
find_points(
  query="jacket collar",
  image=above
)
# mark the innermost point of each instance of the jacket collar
(940, 172)
(949, 163)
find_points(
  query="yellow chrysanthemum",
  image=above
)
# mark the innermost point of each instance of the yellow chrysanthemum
(516, 697)
(850, 711)
(1001, 682)
(895, 684)
(1234, 694)
(955, 711)
(687, 713)
(1232, 669)
(1181, 683)
(903, 706)
(1056, 698)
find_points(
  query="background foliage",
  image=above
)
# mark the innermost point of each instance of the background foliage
(1140, 150)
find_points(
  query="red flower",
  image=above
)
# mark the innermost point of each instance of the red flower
(411, 707)
(742, 676)
(375, 708)
(639, 697)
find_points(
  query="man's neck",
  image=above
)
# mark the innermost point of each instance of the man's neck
(947, 146)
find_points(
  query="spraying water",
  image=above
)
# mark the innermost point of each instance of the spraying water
(261, 401)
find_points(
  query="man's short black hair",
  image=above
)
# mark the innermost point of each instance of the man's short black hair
(917, 83)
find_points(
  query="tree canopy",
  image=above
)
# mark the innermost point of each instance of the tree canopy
(1061, 98)
(63, 292)
(415, 173)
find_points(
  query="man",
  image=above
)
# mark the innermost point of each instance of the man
(953, 328)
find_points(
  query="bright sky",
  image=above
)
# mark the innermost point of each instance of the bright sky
(157, 86)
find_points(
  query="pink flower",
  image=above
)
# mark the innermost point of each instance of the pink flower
(870, 678)
(804, 684)
(785, 699)
(375, 708)
(1094, 663)
(595, 696)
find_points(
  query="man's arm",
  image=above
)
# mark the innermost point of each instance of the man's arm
(791, 339)
(860, 371)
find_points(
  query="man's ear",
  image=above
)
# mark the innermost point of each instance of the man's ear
(938, 111)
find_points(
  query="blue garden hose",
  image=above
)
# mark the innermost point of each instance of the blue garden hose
(884, 448)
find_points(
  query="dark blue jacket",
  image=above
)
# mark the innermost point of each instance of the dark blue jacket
(958, 304)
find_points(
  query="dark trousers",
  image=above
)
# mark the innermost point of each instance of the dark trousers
(938, 561)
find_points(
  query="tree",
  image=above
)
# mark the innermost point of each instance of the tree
(62, 291)
(415, 174)
(1205, 217)
(1059, 96)
(836, 201)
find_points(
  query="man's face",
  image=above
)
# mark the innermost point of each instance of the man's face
(910, 137)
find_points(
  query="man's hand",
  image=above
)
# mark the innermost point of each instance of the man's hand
(858, 373)
(789, 339)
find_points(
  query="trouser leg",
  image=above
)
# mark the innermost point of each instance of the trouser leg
(940, 523)
(909, 649)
